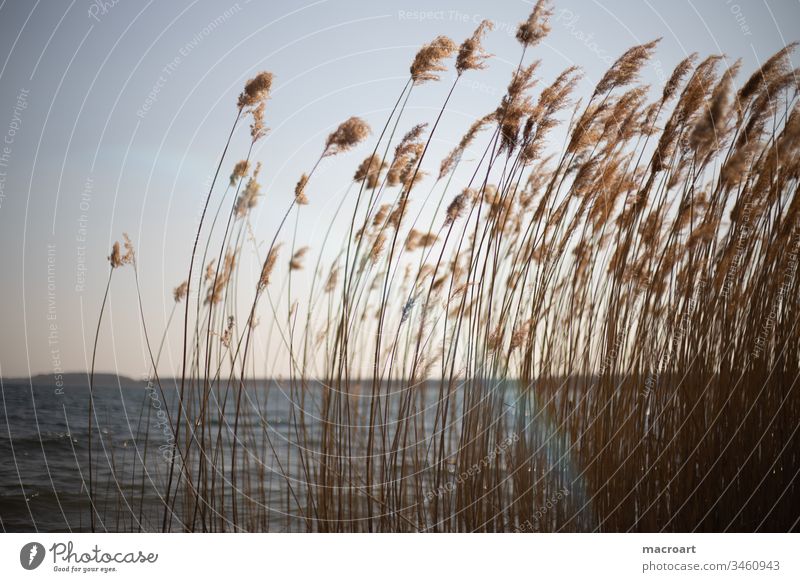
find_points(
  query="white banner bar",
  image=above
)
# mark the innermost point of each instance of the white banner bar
(401, 557)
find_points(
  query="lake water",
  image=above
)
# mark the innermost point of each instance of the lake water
(44, 451)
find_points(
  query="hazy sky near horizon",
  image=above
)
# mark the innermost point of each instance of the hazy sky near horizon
(113, 114)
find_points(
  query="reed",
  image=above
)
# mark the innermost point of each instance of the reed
(594, 335)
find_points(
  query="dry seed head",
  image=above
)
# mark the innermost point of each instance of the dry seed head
(349, 134)
(520, 336)
(683, 68)
(626, 68)
(428, 60)
(537, 26)
(269, 265)
(210, 269)
(515, 106)
(333, 277)
(494, 339)
(377, 248)
(129, 257)
(426, 239)
(296, 263)
(239, 171)
(370, 170)
(249, 196)
(180, 291)
(456, 208)
(777, 65)
(380, 215)
(412, 239)
(257, 129)
(471, 54)
(221, 281)
(467, 139)
(256, 90)
(299, 190)
(226, 336)
(406, 153)
(115, 258)
(709, 130)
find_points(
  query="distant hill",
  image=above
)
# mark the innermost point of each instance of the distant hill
(76, 380)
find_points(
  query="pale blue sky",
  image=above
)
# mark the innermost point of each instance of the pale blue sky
(86, 141)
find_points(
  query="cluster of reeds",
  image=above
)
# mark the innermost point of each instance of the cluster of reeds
(600, 336)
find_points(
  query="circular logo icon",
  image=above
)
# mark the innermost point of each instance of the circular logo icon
(31, 555)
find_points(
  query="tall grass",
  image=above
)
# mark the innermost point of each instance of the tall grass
(594, 335)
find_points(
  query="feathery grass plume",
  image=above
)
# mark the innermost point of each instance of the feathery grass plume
(625, 69)
(129, 256)
(622, 121)
(296, 263)
(396, 216)
(257, 128)
(734, 170)
(256, 90)
(537, 26)
(210, 270)
(377, 248)
(370, 170)
(466, 140)
(269, 265)
(777, 65)
(226, 336)
(427, 239)
(418, 240)
(411, 239)
(349, 134)
(180, 291)
(495, 338)
(428, 61)
(239, 171)
(520, 335)
(333, 278)
(458, 205)
(515, 105)
(677, 76)
(300, 190)
(585, 131)
(691, 99)
(115, 258)
(541, 120)
(221, 280)
(406, 155)
(381, 214)
(471, 54)
(248, 198)
(409, 175)
(709, 129)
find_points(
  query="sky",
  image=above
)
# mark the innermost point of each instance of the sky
(113, 115)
